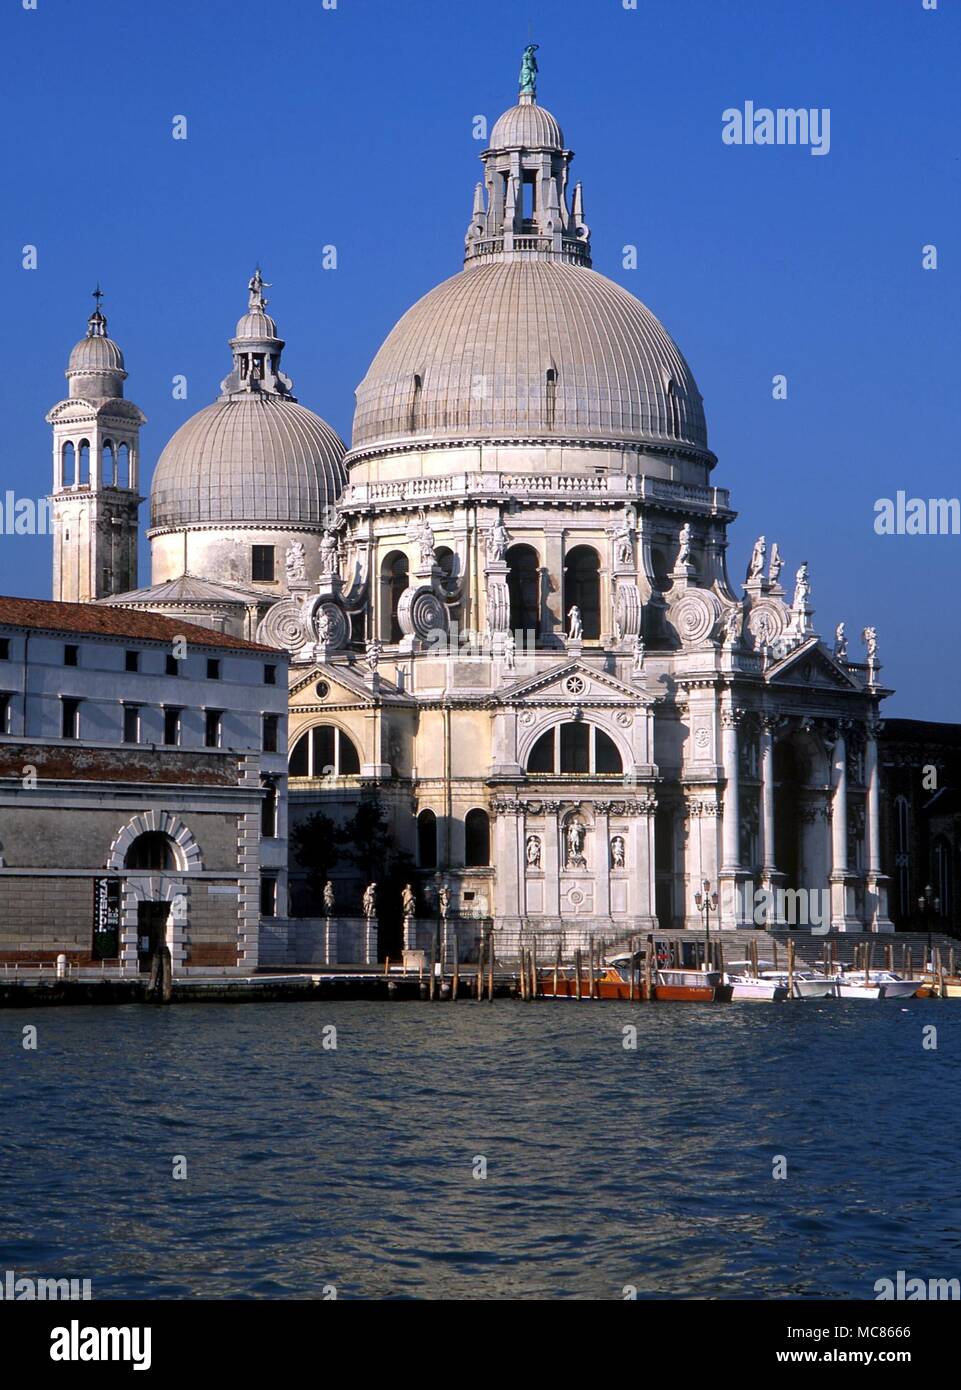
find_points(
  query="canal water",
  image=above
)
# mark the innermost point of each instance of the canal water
(482, 1151)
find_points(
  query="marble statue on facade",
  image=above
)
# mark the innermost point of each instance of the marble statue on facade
(802, 588)
(870, 638)
(756, 567)
(497, 542)
(576, 836)
(295, 561)
(373, 653)
(575, 624)
(369, 901)
(328, 899)
(617, 852)
(637, 662)
(684, 552)
(329, 553)
(840, 643)
(777, 564)
(533, 850)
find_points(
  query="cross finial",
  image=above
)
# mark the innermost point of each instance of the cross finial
(98, 295)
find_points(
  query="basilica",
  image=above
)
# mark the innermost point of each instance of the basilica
(507, 606)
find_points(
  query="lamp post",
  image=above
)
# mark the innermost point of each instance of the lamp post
(929, 905)
(706, 902)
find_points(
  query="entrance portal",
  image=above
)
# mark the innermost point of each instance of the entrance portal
(151, 927)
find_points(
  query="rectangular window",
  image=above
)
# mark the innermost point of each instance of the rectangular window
(270, 675)
(172, 725)
(268, 896)
(71, 655)
(212, 727)
(4, 714)
(262, 563)
(4, 648)
(131, 661)
(70, 718)
(172, 666)
(131, 723)
(268, 811)
(213, 669)
(269, 741)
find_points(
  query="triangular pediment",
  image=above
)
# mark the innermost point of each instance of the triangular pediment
(573, 682)
(344, 688)
(812, 667)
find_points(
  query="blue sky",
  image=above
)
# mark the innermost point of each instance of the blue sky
(353, 127)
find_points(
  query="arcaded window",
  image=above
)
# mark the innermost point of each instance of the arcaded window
(324, 751)
(152, 850)
(582, 589)
(575, 749)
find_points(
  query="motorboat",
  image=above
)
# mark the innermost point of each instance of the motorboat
(808, 984)
(746, 984)
(693, 986)
(878, 984)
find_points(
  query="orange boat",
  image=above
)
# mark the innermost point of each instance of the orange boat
(692, 986)
(613, 981)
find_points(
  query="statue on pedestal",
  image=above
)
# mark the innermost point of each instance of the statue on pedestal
(576, 624)
(756, 567)
(497, 541)
(329, 553)
(328, 899)
(369, 901)
(840, 643)
(777, 563)
(373, 653)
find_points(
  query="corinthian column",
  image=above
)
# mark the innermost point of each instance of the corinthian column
(731, 852)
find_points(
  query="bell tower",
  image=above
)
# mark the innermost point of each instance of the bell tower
(96, 461)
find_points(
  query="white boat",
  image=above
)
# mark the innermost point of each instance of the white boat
(746, 985)
(807, 984)
(880, 984)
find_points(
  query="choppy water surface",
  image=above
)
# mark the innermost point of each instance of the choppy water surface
(606, 1167)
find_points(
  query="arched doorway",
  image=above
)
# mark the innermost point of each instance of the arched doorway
(582, 587)
(787, 780)
(153, 851)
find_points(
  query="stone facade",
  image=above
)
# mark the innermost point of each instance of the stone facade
(118, 823)
(517, 630)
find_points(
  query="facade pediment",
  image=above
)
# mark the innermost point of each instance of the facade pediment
(343, 688)
(572, 682)
(811, 666)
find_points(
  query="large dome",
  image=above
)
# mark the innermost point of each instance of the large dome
(526, 126)
(530, 348)
(252, 458)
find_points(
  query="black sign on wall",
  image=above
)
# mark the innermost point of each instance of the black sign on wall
(106, 918)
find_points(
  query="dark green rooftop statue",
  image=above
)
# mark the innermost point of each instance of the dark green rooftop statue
(528, 78)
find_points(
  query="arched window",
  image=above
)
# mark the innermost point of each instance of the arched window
(152, 850)
(323, 751)
(123, 466)
(524, 588)
(108, 465)
(582, 586)
(427, 840)
(83, 462)
(477, 839)
(394, 579)
(69, 464)
(575, 749)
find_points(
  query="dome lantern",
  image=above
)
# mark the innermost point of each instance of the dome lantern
(521, 208)
(257, 349)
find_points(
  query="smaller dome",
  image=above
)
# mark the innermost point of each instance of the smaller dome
(528, 126)
(96, 355)
(256, 324)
